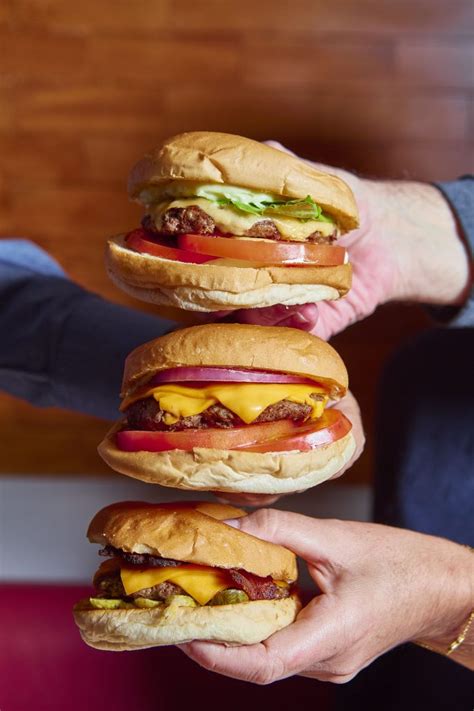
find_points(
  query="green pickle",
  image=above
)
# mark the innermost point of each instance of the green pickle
(229, 597)
(144, 602)
(103, 603)
(180, 601)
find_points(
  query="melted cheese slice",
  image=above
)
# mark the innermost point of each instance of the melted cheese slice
(201, 582)
(246, 400)
(236, 222)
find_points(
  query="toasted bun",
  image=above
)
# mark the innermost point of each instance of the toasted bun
(243, 623)
(207, 157)
(191, 534)
(212, 287)
(234, 345)
(231, 470)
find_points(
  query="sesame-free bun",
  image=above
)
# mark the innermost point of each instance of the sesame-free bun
(202, 469)
(192, 534)
(223, 158)
(232, 345)
(130, 629)
(212, 287)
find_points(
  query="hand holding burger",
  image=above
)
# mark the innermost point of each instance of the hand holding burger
(176, 572)
(378, 587)
(231, 223)
(408, 247)
(232, 408)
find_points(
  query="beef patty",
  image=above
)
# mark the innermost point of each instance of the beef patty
(147, 415)
(194, 220)
(110, 586)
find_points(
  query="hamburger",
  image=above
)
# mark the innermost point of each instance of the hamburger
(176, 573)
(232, 223)
(232, 407)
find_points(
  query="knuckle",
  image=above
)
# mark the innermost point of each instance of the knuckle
(343, 678)
(266, 520)
(272, 671)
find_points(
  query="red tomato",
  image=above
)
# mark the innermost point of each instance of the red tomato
(333, 425)
(291, 253)
(140, 242)
(214, 438)
(279, 436)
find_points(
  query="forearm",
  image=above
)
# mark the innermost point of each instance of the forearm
(432, 264)
(61, 345)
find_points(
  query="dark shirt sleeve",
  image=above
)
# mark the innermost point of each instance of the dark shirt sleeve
(460, 195)
(61, 345)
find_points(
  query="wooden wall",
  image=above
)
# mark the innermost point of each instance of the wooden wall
(384, 87)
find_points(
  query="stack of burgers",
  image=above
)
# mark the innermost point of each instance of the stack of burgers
(223, 407)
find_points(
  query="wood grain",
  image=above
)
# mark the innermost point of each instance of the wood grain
(382, 88)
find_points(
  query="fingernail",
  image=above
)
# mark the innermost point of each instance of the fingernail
(301, 318)
(234, 522)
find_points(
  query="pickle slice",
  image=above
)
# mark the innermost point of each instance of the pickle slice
(229, 597)
(144, 602)
(180, 601)
(104, 603)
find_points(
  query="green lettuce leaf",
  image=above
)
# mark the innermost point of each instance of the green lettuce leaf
(262, 203)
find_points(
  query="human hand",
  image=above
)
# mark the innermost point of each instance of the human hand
(379, 587)
(350, 408)
(407, 248)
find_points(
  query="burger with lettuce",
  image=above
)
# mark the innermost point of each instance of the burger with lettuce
(233, 223)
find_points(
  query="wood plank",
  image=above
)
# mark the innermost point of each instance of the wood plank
(161, 61)
(6, 107)
(309, 61)
(36, 58)
(400, 160)
(365, 117)
(390, 17)
(32, 160)
(58, 442)
(103, 109)
(6, 13)
(435, 63)
(90, 16)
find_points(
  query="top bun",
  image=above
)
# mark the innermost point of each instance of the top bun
(233, 345)
(193, 533)
(206, 157)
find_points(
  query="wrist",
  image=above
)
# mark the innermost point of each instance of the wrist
(430, 260)
(449, 629)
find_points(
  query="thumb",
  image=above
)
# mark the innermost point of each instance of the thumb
(303, 316)
(312, 539)
(279, 146)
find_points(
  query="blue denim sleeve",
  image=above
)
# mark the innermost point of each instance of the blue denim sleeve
(460, 195)
(60, 345)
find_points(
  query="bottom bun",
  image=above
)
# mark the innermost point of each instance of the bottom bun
(231, 470)
(213, 287)
(204, 300)
(129, 629)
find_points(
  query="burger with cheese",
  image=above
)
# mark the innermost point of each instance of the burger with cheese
(232, 223)
(176, 573)
(232, 407)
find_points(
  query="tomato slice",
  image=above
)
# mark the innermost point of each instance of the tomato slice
(213, 438)
(138, 241)
(333, 425)
(279, 436)
(290, 253)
